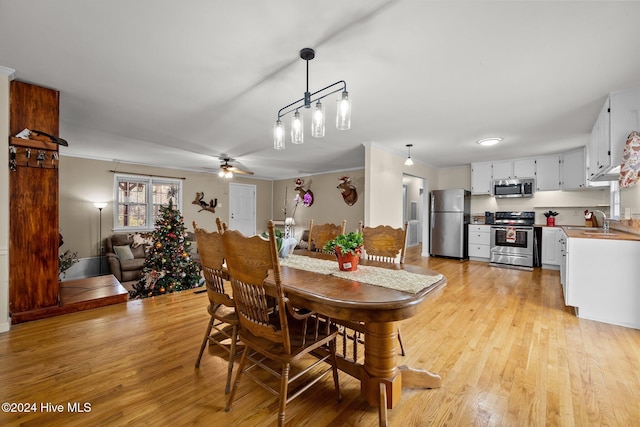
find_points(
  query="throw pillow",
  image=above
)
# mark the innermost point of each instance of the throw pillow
(123, 252)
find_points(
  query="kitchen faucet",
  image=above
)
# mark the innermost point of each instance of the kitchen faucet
(605, 223)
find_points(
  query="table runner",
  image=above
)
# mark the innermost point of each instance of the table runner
(400, 280)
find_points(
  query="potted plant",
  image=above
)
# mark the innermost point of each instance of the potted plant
(347, 248)
(551, 218)
(65, 261)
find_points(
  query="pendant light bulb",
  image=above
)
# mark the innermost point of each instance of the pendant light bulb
(278, 135)
(317, 124)
(343, 119)
(297, 135)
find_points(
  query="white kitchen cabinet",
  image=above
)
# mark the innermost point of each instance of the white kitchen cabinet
(479, 242)
(548, 173)
(601, 280)
(574, 173)
(619, 116)
(502, 169)
(600, 143)
(524, 168)
(551, 248)
(563, 264)
(481, 178)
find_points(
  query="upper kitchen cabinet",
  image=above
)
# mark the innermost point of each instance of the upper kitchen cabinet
(524, 168)
(619, 116)
(503, 170)
(574, 173)
(481, 175)
(510, 169)
(548, 173)
(600, 144)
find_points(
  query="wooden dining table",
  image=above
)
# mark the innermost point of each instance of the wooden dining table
(376, 309)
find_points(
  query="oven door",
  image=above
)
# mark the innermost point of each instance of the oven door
(512, 245)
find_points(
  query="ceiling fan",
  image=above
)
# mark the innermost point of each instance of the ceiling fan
(227, 170)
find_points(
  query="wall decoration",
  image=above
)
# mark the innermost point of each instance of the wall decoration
(348, 190)
(304, 196)
(630, 168)
(204, 206)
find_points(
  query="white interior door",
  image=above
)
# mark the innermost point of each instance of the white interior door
(242, 208)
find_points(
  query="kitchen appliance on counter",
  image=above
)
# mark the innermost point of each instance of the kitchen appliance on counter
(513, 187)
(513, 240)
(450, 214)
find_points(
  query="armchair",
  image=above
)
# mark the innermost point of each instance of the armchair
(125, 261)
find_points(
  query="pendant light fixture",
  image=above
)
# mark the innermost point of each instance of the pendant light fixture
(343, 117)
(409, 162)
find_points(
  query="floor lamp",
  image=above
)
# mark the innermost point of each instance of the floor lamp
(100, 206)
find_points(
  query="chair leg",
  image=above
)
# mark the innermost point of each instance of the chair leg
(236, 383)
(205, 341)
(284, 390)
(334, 365)
(232, 356)
(400, 341)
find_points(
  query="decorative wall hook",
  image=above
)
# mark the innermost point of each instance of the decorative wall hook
(204, 206)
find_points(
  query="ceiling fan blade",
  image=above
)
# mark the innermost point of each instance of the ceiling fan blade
(240, 171)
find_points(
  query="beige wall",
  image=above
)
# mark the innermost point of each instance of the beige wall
(630, 198)
(384, 175)
(84, 181)
(328, 205)
(6, 75)
(457, 177)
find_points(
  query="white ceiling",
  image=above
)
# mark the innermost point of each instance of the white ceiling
(178, 84)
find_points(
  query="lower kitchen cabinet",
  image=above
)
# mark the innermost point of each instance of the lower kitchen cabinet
(601, 282)
(551, 248)
(479, 242)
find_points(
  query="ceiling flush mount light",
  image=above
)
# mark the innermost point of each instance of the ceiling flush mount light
(409, 162)
(343, 117)
(489, 141)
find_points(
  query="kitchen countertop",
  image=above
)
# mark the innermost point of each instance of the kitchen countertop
(596, 233)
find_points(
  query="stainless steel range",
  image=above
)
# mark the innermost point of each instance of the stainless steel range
(512, 239)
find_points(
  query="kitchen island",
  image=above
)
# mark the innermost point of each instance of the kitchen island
(599, 274)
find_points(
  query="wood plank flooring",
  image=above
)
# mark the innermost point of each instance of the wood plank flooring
(508, 350)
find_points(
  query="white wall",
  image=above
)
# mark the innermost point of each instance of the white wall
(6, 75)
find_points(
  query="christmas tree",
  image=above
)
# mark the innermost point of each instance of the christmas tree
(168, 266)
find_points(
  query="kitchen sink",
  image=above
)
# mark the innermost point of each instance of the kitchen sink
(600, 233)
(581, 228)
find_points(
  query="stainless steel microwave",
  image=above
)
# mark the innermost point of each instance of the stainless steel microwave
(513, 187)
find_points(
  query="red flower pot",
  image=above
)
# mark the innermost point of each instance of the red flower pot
(347, 261)
(551, 221)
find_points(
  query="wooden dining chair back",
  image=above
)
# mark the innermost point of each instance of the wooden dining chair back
(222, 329)
(221, 225)
(283, 335)
(384, 243)
(319, 234)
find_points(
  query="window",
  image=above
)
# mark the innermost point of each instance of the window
(139, 200)
(614, 200)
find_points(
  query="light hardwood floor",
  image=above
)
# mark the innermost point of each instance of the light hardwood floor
(508, 350)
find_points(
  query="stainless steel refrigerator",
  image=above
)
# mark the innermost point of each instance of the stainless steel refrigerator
(450, 213)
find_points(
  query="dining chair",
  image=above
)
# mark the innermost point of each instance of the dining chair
(223, 322)
(221, 225)
(385, 244)
(319, 234)
(283, 335)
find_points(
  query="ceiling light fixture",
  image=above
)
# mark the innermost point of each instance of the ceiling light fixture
(489, 141)
(343, 118)
(409, 162)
